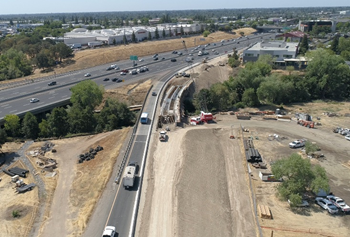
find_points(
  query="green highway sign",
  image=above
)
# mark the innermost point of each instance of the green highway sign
(133, 57)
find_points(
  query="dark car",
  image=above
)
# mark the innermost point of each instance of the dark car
(52, 83)
(109, 68)
(154, 93)
(155, 56)
(125, 70)
(106, 79)
(114, 79)
(119, 80)
(163, 58)
(174, 52)
(173, 60)
(155, 59)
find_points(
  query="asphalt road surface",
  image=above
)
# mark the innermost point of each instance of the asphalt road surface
(16, 100)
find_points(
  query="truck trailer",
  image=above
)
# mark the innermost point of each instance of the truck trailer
(129, 175)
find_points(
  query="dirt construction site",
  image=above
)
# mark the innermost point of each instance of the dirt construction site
(197, 182)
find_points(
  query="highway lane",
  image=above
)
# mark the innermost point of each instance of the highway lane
(100, 71)
(122, 209)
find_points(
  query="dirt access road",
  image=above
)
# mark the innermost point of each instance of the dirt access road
(196, 186)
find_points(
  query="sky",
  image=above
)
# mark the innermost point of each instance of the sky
(49, 6)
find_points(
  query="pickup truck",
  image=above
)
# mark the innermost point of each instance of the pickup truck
(297, 143)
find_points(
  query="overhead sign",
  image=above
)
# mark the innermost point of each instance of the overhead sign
(133, 57)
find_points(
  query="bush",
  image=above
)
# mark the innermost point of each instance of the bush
(233, 62)
(240, 105)
(310, 147)
(206, 33)
(15, 214)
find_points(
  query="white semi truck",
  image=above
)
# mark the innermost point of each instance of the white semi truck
(129, 175)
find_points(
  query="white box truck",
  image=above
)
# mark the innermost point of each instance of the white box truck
(129, 175)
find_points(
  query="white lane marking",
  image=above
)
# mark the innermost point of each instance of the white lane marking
(13, 111)
(4, 105)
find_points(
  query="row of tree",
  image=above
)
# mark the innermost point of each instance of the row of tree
(327, 77)
(78, 118)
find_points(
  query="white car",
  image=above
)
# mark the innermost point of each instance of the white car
(347, 137)
(327, 205)
(109, 231)
(297, 143)
(34, 100)
(338, 202)
(123, 73)
(87, 75)
(141, 60)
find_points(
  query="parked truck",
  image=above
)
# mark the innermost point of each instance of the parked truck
(75, 46)
(129, 175)
(162, 136)
(297, 143)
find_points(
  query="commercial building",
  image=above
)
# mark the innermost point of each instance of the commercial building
(306, 26)
(110, 36)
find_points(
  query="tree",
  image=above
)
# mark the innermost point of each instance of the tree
(86, 94)
(232, 62)
(124, 39)
(310, 147)
(298, 177)
(163, 34)
(250, 98)
(327, 75)
(3, 136)
(12, 124)
(304, 47)
(30, 127)
(81, 120)
(156, 33)
(206, 33)
(241, 33)
(334, 45)
(133, 37)
(149, 36)
(58, 122)
(44, 128)
(182, 30)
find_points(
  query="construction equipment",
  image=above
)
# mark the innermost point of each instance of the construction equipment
(162, 136)
(305, 123)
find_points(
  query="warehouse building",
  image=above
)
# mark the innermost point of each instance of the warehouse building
(110, 36)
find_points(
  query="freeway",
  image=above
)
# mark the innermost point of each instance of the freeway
(16, 100)
(124, 202)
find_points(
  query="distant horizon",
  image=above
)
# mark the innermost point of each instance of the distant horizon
(85, 6)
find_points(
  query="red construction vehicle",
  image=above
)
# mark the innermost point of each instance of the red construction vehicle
(308, 124)
(206, 117)
(196, 120)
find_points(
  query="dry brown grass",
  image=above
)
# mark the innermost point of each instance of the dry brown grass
(85, 190)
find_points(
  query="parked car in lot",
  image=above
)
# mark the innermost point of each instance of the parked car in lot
(339, 203)
(109, 231)
(327, 205)
(34, 100)
(52, 83)
(87, 75)
(347, 137)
